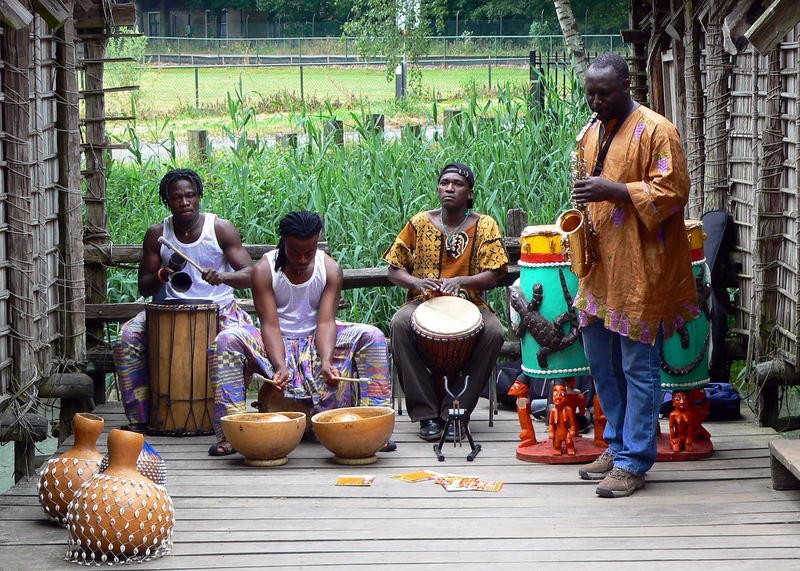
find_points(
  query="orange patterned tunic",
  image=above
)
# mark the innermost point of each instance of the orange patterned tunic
(643, 275)
(420, 250)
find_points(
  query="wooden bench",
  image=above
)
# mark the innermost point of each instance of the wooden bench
(784, 456)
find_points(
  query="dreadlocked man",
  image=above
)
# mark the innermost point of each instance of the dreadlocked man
(215, 244)
(296, 293)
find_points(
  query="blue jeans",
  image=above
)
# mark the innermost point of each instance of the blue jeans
(627, 375)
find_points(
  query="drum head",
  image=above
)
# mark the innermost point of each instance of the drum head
(447, 316)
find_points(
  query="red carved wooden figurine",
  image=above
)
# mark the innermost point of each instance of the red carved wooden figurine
(527, 435)
(563, 426)
(599, 423)
(681, 423)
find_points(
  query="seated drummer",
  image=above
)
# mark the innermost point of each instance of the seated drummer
(296, 293)
(214, 243)
(448, 251)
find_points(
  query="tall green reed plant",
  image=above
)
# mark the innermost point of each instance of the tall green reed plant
(369, 189)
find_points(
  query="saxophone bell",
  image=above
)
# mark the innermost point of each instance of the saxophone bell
(571, 224)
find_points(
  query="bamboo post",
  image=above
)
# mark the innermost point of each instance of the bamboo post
(20, 245)
(198, 144)
(96, 221)
(334, 131)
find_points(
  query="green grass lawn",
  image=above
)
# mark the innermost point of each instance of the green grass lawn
(166, 91)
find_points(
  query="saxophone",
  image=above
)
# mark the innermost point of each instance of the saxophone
(574, 225)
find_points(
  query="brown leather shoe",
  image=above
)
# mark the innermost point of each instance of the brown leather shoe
(619, 483)
(598, 469)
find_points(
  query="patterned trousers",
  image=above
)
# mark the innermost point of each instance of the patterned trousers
(360, 351)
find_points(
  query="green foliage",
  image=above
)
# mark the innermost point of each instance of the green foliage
(125, 73)
(369, 189)
(395, 29)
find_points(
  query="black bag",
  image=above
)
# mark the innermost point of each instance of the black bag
(723, 402)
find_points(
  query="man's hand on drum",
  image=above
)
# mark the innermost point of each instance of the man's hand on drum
(328, 372)
(280, 377)
(452, 286)
(212, 276)
(427, 285)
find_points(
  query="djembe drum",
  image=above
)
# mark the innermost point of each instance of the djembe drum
(548, 324)
(181, 397)
(684, 355)
(446, 329)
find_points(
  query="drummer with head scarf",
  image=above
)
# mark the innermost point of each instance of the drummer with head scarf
(451, 250)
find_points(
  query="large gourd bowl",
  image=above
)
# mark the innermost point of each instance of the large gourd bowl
(354, 434)
(264, 439)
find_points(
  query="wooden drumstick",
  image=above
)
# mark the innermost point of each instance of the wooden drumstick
(351, 380)
(171, 246)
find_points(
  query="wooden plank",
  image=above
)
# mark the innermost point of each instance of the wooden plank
(54, 12)
(94, 15)
(779, 17)
(15, 14)
(785, 464)
(111, 254)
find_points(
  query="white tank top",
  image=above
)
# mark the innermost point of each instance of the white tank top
(206, 252)
(298, 304)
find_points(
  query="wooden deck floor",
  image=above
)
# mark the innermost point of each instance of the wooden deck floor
(711, 514)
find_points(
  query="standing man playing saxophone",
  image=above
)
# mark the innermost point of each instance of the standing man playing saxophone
(640, 288)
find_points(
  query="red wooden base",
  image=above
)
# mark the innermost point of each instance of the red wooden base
(585, 451)
(702, 449)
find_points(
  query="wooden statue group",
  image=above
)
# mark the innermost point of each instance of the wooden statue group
(685, 421)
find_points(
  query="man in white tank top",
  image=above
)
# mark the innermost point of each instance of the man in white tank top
(296, 293)
(212, 242)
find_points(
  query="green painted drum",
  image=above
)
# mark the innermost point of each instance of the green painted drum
(541, 302)
(684, 355)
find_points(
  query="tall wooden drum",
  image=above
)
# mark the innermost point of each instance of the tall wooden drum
(181, 397)
(446, 328)
(684, 355)
(548, 324)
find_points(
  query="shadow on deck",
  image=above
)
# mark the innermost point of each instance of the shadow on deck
(711, 513)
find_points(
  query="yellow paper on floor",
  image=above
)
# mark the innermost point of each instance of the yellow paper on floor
(355, 480)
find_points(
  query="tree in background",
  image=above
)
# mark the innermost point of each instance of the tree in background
(572, 37)
(306, 10)
(394, 29)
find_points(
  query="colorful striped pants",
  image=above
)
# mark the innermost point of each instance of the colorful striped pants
(360, 351)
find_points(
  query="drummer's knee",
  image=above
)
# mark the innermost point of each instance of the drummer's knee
(229, 339)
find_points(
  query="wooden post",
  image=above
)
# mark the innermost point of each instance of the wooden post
(334, 131)
(70, 224)
(18, 185)
(286, 140)
(516, 221)
(718, 69)
(375, 123)
(452, 117)
(198, 144)
(695, 143)
(96, 221)
(769, 213)
(410, 131)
